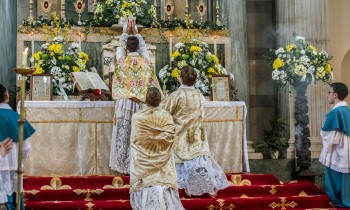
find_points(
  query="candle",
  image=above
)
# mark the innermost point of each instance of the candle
(25, 55)
(215, 47)
(79, 40)
(32, 44)
(170, 49)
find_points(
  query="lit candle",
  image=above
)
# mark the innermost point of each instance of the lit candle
(79, 41)
(215, 47)
(32, 44)
(170, 49)
(25, 55)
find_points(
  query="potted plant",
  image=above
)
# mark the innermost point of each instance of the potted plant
(274, 139)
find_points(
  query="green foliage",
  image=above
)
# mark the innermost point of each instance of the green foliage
(274, 138)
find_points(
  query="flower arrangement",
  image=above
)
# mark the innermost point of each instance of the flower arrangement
(109, 11)
(300, 61)
(197, 55)
(59, 57)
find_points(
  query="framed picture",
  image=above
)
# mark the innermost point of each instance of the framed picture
(41, 87)
(220, 86)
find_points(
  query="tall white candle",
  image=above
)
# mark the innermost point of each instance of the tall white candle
(170, 49)
(79, 41)
(32, 44)
(25, 55)
(215, 46)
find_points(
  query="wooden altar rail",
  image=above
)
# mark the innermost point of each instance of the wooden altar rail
(73, 137)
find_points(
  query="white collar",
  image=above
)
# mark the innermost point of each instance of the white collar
(186, 86)
(340, 103)
(5, 106)
(133, 54)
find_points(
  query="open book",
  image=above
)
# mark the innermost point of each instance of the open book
(88, 80)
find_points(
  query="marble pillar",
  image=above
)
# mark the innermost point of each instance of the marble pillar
(8, 25)
(310, 20)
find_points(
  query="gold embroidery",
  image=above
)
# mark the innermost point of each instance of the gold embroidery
(88, 193)
(283, 204)
(236, 180)
(90, 205)
(116, 183)
(244, 196)
(303, 194)
(273, 189)
(221, 206)
(55, 184)
(27, 192)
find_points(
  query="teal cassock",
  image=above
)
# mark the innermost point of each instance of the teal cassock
(337, 184)
(9, 128)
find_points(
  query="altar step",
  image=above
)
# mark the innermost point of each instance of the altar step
(249, 191)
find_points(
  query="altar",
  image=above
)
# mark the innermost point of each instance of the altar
(73, 137)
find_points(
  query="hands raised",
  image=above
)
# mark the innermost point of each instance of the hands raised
(131, 26)
(5, 146)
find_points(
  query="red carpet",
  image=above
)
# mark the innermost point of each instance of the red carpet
(249, 191)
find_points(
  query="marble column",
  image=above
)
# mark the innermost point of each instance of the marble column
(234, 16)
(8, 25)
(310, 20)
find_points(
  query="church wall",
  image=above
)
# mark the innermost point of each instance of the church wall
(339, 45)
(261, 37)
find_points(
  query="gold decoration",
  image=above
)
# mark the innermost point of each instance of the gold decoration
(27, 192)
(169, 8)
(46, 6)
(31, 10)
(63, 8)
(79, 8)
(303, 194)
(244, 196)
(218, 22)
(90, 205)
(273, 189)
(201, 9)
(236, 180)
(55, 184)
(88, 193)
(283, 204)
(116, 183)
(221, 206)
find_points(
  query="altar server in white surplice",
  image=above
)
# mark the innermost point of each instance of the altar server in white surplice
(153, 182)
(335, 154)
(8, 165)
(5, 148)
(197, 171)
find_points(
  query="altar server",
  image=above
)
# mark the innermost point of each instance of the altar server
(335, 154)
(197, 171)
(9, 129)
(153, 182)
(5, 148)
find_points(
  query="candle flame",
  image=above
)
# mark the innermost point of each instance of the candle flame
(26, 50)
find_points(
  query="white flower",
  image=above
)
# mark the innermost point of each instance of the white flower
(179, 45)
(279, 50)
(275, 75)
(299, 38)
(302, 52)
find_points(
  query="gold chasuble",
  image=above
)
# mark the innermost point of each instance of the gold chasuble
(132, 77)
(152, 161)
(185, 105)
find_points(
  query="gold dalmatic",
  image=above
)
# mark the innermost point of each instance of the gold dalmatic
(152, 161)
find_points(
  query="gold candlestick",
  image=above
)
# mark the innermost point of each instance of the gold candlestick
(63, 8)
(95, 6)
(23, 72)
(31, 10)
(218, 22)
(186, 8)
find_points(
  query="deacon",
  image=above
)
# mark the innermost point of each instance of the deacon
(153, 182)
(197, 171)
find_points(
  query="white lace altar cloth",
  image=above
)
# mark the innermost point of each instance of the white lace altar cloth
(74, 137)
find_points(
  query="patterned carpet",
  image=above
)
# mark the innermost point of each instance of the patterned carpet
(248, 191)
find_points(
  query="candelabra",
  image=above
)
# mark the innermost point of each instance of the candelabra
(24, 71)
(218, 22)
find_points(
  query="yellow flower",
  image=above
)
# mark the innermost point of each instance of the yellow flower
(195, 49)
(84, 57)
(215, 58)
(176, 54)
(175, 73)
(211, 70)
(38, 70)
(76, 68)
(328, 68)
(290, 47)
(277, 64)
(58, 49)
(59, 57)
(310, 47)
(37, 55)
(52, 54)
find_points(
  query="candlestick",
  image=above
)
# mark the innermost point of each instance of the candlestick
(25, 54)
(63, 8)
(215, 46)
(170, 49)
(79, 41)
